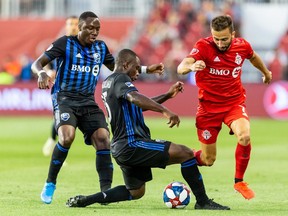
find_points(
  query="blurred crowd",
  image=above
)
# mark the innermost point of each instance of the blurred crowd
(171, 31)
(16, 69)
(167, 36)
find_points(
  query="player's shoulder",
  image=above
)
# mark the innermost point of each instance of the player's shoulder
(99, 42)
(61, 39)
(240, 41)
(115, 76)
(205, 41)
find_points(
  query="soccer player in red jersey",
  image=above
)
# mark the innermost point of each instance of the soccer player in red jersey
(217, 61)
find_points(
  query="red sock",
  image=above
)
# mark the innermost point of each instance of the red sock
(197, 155)
(242, 157)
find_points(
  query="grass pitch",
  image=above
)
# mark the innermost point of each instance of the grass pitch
(23, 170)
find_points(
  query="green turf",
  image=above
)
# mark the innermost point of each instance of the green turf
(23, 170)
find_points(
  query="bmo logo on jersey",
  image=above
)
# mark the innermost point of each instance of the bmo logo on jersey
(225, 72)
(86, 69)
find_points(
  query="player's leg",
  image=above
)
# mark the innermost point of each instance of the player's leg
(208, 127)
(240, 125)
(134, 188)
(66, 133)
(207, 155)
(190, 172)
(241, 129)
(116, 194)
(96, 133)
(104, 164)
(50, 142)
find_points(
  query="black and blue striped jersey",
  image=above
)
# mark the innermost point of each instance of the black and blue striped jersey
(78, 67)
(126, 119)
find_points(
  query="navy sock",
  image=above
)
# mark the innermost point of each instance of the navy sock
(58, 157)
(104, 168)
(193, 177)
(116, 194)
(53, 132)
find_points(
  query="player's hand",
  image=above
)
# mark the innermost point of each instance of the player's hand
(43, 80)
(156, 69)
(173, 118)
(267, 78)
(198, 65)
(175, 89)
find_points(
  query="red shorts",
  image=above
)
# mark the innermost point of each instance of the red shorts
(209, 124)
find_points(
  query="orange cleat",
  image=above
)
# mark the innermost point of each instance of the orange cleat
(242, 188)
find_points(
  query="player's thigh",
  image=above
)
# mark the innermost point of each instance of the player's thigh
(65, 124)
(145, 152)
(179, 153)
(65, 115)
(135, 177)
(208, 126)
(238, 121)
(91, 120)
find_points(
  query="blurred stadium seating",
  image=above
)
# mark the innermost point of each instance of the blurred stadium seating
(161, 30)
(158, 30)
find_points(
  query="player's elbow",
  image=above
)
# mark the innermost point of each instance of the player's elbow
(182, 70)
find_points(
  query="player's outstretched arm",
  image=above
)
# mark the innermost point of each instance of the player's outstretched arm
(185, 66)
(257, 62)
(172, 92)
(148, 104)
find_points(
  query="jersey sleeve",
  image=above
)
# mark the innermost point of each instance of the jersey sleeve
(109, 59)
(249, 49)
(57, 48)
(123, 85)
(197, 51)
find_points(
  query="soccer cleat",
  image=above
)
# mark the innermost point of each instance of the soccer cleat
(77, 201)
(211, 205)
(242, 188)
(47, 192)
(48, 147)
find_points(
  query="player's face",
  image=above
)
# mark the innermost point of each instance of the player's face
(89, 30)
(133, 69)
(222, 39)
(71, 26)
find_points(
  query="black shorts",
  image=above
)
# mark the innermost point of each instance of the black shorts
(139, 157)
(87, 118)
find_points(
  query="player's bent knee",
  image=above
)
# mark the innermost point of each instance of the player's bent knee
(244, 140)
(209, 161)
(137, 194)
(66, 141)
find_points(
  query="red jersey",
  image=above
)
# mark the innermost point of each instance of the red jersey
(219, 83)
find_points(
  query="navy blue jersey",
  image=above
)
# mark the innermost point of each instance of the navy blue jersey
(126, 119)
(78, 67)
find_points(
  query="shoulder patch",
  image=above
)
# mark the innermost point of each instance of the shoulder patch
(194, 51)
(129, 84)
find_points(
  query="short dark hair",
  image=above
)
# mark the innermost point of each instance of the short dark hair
(125, 55)
(87, 14)
(220, 23)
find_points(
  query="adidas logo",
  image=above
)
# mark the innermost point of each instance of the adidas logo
(78, 55)
(216, 59)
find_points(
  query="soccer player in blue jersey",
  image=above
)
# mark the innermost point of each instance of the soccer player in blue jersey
(132, 147)
(79, 59)
(71, 28)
